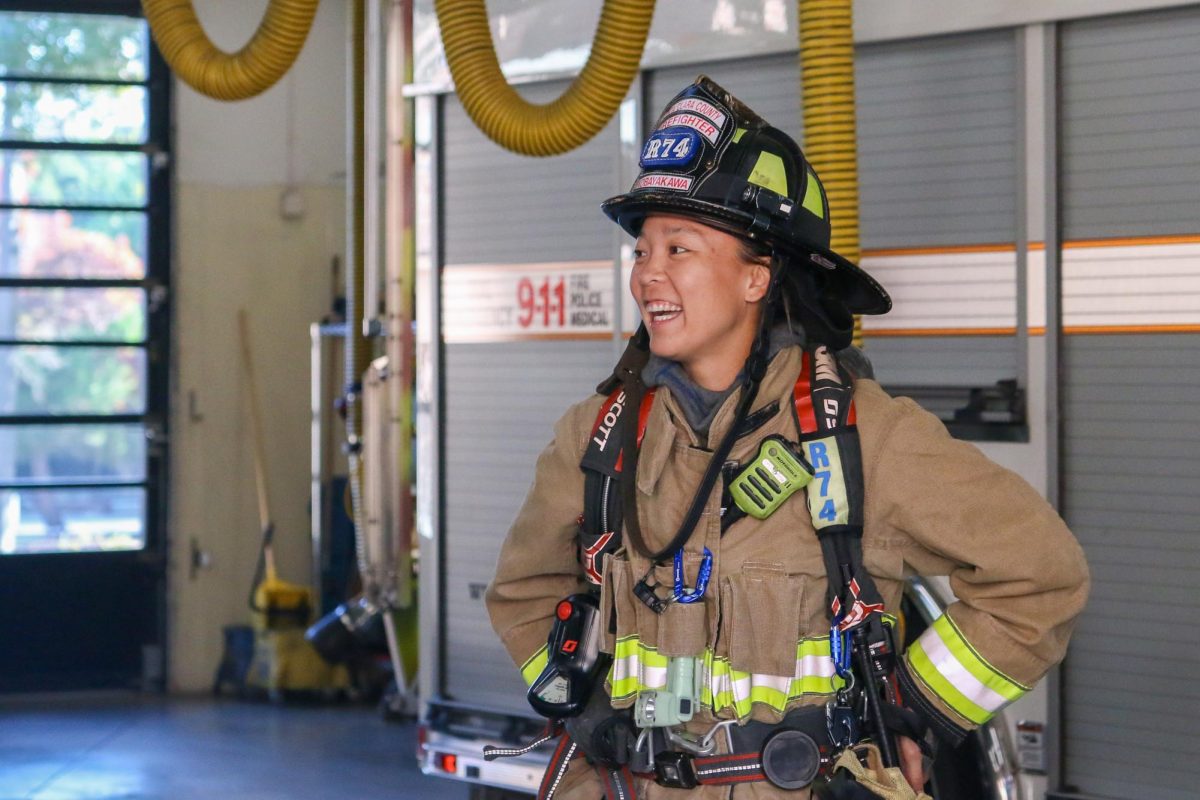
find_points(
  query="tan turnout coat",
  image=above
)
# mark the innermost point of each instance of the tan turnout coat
(934, 506)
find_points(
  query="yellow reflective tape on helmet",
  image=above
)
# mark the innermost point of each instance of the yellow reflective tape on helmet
(738, 133)
(770, 173)
(812, 196)
(945, 661)
(534, 665)
(827, 500)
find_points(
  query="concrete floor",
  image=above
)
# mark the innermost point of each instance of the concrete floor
(137, 749)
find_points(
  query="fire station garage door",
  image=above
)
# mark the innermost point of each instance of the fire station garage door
(937, 164)
(514, 226)
(937, 123)
(1131, 269)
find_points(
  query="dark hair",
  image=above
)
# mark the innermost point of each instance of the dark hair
(752, 252)
(808, 298)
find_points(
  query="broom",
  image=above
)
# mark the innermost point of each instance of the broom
(275, 603)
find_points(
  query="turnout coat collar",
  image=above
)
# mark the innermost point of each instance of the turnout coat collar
(667, 427)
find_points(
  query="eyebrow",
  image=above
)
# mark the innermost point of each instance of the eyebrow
(682, 229)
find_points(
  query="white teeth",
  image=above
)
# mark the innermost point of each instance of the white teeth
(659, 307)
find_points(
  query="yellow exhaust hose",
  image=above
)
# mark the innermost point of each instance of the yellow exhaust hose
(224, 76)
(575, 117)
(830, 125)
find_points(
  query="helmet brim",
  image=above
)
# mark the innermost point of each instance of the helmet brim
(858, 291)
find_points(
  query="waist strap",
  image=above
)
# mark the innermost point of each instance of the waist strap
(808, 719)
(744, 764)
(757, 754)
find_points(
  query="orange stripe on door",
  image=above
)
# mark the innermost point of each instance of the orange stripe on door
(1070, 330)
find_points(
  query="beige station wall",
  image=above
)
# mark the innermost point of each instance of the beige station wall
(234, 249)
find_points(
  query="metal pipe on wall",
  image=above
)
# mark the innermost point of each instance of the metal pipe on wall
(400, 281)
(375, 138)
(357, 345)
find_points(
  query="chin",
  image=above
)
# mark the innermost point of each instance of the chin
(664, 349)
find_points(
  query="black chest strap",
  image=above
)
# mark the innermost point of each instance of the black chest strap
(602, 465)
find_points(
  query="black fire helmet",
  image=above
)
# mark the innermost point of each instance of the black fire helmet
(712, 158)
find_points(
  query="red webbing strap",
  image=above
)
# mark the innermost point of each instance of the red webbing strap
(802, 398)
(559, 763)
(733, 768)
(643, 418)
(618, 783)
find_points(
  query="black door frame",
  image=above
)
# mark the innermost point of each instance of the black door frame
(79, 575)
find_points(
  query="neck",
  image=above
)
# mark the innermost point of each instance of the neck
(715, 377)
(717, 371)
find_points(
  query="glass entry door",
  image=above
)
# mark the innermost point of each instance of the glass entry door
(84, 342)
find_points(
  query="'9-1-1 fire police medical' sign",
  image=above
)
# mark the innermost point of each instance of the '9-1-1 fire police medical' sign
(507, 302)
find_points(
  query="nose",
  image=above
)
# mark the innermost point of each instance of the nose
(648, 269)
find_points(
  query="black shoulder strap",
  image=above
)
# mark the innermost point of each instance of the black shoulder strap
(824, 404)
(602, 464)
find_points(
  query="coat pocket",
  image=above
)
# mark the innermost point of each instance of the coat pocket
(621, 630)
(619, 615)
(643, 641)
(760, 619)
(684, 629)
(608, 614)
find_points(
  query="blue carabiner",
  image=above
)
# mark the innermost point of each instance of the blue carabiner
(683, 594)
(839, 648)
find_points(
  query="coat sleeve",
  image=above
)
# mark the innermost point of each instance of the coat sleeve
(1018, 574)
(538, 563)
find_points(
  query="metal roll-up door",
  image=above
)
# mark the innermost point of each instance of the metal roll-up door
(503, 396)
(937, 128)
(770, 85)
(1131, 189)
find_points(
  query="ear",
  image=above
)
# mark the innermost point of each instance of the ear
(759, 280)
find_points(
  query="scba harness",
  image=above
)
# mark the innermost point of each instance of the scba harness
(827, 464)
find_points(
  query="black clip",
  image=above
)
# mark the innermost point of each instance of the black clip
(675, 771)
(645, 592)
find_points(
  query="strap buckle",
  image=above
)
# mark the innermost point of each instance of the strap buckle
(675, 771)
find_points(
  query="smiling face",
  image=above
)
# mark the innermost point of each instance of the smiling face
(698, 296)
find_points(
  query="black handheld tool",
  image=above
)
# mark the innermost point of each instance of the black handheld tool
(574, 659)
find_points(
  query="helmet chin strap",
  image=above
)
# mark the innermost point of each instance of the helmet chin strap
(631, 380)
(824, 319)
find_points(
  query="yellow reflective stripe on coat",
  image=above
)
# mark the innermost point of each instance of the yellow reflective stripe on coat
(947, 663)
(638, 667)
(534, 665)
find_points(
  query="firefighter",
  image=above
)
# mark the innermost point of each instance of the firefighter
(726, 666)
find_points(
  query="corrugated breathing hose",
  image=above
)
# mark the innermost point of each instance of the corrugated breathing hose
(225, 76)
(575, 117)
(830, 123)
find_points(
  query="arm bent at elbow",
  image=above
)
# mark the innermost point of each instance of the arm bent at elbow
(1017, 572)
(538, 563)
